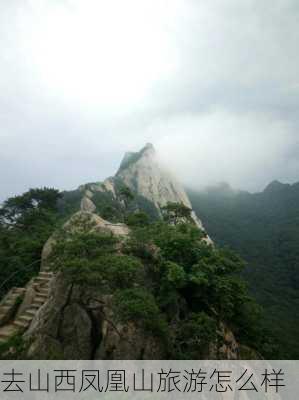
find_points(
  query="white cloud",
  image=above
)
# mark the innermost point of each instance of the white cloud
(246, 150)
(82, 81)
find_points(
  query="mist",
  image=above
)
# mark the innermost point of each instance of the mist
(213, 85)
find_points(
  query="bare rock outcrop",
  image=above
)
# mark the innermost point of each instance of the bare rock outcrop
(149, 181)
(87, 205)
(81, 324)
(83, 221)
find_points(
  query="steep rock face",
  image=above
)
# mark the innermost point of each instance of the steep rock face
(77, 324)
(152, 185)
(143, 174)
(87, 204)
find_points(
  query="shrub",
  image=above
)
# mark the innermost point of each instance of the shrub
(139, 305)
(194, 336)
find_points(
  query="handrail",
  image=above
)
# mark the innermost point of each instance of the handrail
(16, 272)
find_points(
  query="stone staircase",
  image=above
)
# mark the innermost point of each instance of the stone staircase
(9, 303)
(40, 286)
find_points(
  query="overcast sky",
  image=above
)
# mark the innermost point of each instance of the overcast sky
(214, 85)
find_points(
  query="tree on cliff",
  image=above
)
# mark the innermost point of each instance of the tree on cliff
(126, 195)
(174, 213)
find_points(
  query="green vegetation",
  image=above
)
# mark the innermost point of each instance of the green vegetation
(168, 282)
(126, 194)
(139, 305)
(107, 206)
(163, 278)
(137, 219)
(13, 349)
(26, 222)
(196, 282)
(264, 229)
(90, 259)
(69, 202)
(173, 213)
(195, 335)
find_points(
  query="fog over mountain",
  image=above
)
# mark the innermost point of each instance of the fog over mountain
(214, 85)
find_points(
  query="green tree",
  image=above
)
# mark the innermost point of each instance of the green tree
(192, 278)
(26, 222)
(137, 219)
(126, 195)
(175, 213)
(19, 210)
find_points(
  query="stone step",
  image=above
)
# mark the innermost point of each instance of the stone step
(41, 295)
(36, 306)
(6, 304)
(44, 291)
(4, 308)
(45, 296)
(46, 274)
(21, 324)
(41, 285)
(30, 312)
(19, 290)
(7, 331)
(41, 279)
(25, 317)
(9, 302)
(4, 337)
(12, 297)
(40, 300)
(46, 277)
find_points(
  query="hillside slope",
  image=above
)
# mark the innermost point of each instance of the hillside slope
(264, 229)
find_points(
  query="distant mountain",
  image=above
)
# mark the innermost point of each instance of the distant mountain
(264, 229)
(276, 186)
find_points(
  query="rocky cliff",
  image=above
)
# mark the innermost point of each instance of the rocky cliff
(85, 315)
(144, 175)
(153, 187)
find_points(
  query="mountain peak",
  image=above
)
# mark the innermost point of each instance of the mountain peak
(149, 146)
(147, 178)
(152, 185)
(275, 186)
(132, 157)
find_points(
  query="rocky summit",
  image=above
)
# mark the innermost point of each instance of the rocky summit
(148, 180)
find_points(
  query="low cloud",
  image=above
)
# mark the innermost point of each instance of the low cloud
(246, 150)
(214, 85)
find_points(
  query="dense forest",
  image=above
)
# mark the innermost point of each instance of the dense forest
(264, 229)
